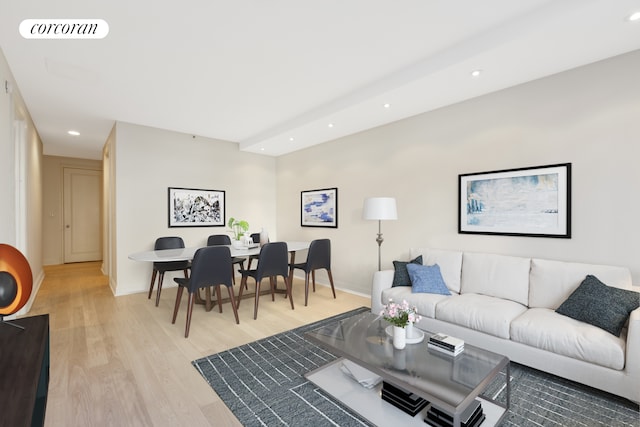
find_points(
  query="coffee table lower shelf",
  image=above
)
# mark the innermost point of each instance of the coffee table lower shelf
(368, 403)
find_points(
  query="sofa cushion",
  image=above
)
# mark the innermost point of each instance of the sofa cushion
(427, 279)
(424, 303)
(401, 275)
(498, 276)
(480, 312)
(551, 282)
(545, 329)
(600, 305)
(450, 263)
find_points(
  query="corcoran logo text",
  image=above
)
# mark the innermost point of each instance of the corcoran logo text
(64, 28)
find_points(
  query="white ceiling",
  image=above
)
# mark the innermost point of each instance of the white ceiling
(260, 72)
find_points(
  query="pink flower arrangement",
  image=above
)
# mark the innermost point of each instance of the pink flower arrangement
(400, 314)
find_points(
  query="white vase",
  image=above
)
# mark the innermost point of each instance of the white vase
(409, 329)
(399, 337)
(264, 237)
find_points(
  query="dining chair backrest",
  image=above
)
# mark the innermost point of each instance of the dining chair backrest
(273, 260)
(319, 255)
(221, 240)
(211, 265)
(170, 243)
(218, 239)
(256, 238)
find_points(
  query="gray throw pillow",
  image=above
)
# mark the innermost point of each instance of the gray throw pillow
(600, 305)
(400, 275)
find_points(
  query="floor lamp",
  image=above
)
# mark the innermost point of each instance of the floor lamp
(379, 208)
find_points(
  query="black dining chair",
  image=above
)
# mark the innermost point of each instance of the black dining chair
(159, 268)
(211, 266)
(256, 239)
(318, 257)
(272, 262)
(223, 239)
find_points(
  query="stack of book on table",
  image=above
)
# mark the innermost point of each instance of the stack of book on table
(402, 399)
(446, 344)
(471, 417)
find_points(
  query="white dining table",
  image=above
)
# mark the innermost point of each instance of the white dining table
(187, 254)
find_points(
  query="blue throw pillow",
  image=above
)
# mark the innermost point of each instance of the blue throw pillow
(427, 279)
(400, 275)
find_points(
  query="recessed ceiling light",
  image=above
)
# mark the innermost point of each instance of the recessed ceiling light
(634, 16)
(330, 125)
(73, 132)
(291, 139)
(387, 105)
(476, 73)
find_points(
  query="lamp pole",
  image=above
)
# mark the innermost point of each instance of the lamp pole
(379, 239)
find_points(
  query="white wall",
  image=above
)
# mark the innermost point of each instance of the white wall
(109, 231)
(20, 178)
(148, 161)
(31, 199)
(588, 117)
(7, 159)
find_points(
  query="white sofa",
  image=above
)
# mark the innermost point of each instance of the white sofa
(507, 305)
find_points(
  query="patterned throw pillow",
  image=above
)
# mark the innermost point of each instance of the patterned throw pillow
(400, 275)
(600, 305)
(427, 279)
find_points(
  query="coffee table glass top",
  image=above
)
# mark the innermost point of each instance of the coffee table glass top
(449, 381)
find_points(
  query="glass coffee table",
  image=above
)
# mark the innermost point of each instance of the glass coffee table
(452, 386)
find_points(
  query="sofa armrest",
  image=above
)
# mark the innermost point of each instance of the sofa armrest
(381, 280)
(633, 344)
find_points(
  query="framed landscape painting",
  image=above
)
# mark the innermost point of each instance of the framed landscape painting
(319, 208)
(533, 202)
(190, 207)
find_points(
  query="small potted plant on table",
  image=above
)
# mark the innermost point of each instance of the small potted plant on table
(239, 227)
(402, 317)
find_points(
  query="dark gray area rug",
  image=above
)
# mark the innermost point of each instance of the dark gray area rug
(263, 384)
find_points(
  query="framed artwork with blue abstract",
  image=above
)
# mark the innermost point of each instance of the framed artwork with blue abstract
(319, 208)
(532, 201)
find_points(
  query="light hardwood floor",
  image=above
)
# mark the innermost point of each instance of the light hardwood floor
(118, 361)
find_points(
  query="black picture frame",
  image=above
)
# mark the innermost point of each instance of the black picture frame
(531, 201)
(319, 208)
(192, 207)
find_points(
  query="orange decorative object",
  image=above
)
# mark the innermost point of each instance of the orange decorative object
(17, 285)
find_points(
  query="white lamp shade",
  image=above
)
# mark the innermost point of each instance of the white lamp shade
(379, 208)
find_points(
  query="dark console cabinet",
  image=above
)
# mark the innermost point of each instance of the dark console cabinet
(24, 371)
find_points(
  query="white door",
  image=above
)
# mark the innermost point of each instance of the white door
(82, 222)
